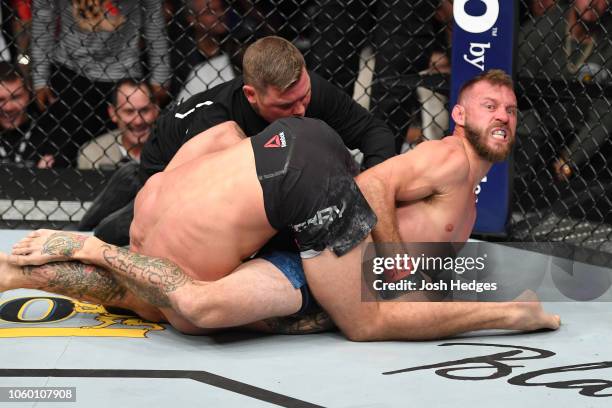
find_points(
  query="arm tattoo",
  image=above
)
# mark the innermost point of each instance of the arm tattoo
(63, 243)
(312, 323)
(74, 279)
(149, 278)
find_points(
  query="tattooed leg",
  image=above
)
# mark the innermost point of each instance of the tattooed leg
(255, 291)
(312, 323)
(76, 280)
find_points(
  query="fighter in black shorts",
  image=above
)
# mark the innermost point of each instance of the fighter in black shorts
(306, 174)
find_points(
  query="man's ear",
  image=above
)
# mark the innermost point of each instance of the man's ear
(458, 115)
(112, 114)
(250, 93)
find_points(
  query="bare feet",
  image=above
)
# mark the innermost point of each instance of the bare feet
(530, 315)
(9, 274)
(44, 246)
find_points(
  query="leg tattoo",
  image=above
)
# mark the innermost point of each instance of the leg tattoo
(76, 280)
(312, 323)
(63, 243)
(149, 278)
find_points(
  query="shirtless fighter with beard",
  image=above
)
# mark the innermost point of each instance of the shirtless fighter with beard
(305, 183)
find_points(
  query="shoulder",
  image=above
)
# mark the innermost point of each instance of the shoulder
(447, 155)
(444, 159)
(219, 94)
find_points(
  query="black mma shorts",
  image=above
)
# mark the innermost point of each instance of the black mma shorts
(306, 174)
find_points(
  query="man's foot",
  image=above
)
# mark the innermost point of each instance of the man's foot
(530, 315)
(44, 246)
(9, 274)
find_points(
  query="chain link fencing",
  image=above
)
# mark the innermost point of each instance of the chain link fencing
(392, 56)
(562, 183)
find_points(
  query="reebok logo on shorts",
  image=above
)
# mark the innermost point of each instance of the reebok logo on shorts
(277, 141)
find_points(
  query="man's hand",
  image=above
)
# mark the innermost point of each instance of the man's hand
(46, 162)
(160, 93)
(44, 97)
(563, 171)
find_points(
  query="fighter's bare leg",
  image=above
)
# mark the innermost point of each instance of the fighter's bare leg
(336, 282)
(76, 280)
(256, 290)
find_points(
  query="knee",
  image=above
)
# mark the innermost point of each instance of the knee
(361, 329)
(185, 326)
(202, 312)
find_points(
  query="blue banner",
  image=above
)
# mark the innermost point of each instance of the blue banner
(484, 38)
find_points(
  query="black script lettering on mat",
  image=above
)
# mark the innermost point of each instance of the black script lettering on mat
(499, 365)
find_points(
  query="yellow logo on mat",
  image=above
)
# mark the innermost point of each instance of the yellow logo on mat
(57, 315)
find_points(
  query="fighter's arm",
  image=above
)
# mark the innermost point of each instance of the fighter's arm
(212, 140)
(420, 173)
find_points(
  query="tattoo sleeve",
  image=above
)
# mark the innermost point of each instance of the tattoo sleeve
(63, 243)
(152, 279)
(74, 279)
(312, 323)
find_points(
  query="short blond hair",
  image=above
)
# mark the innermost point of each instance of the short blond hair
(492, 76)
(272, 61)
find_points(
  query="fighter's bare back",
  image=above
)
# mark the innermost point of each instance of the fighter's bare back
(205, 219)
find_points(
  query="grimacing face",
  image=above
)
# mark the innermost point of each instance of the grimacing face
(134, 114)
(490, 120)
(14, 99)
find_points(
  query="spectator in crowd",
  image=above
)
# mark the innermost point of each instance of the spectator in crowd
(18, 143)
(75, 67)
(134, 110)
(402, 36)
(434, 121)
(210, 64)
(567, 44)
(208, 34)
